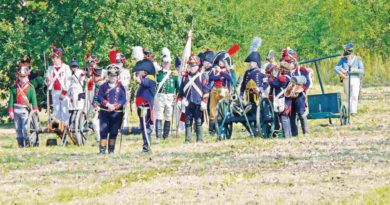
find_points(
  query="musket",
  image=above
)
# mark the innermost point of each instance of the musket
(47, 91)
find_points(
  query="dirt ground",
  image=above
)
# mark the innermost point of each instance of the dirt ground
(332, 165)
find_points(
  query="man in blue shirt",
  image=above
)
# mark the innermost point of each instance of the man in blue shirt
(111, 98)
(350, 68)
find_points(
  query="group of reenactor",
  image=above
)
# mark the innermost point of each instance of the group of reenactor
(187, 91)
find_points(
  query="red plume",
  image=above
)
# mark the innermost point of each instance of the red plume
(234, 49)
(87, 55)
(112, 56)
(52, 46)
(208, 49)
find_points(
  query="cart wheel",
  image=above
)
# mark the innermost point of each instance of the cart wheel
(220, 118)
(33, 127)
(265, 118)
(228, 130)
(81, 128)
(343, 115)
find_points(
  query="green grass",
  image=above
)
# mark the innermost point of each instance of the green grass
(378, 196)
(109, 185)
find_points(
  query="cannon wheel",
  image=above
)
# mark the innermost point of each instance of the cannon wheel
(33, 127)
(265, 118)
(224, 130)
(343, 115)
(81, 128)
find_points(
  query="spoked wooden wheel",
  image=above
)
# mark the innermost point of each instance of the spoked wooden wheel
(265, 118)
(81, 128)
(343, 115)
(221, 126)
(33, 128)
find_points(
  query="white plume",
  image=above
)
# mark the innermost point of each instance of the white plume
(256, 43)
(166, 53)
(138, 53)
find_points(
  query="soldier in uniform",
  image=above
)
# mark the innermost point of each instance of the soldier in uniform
(254, 82)
(112, 98)
(76, 88)
(193, 95)
(350, 68)
(298, 103)
(117, 57)
(91, 61)
(281, 103)
(35, 79)
(270, 66)
(144, 77)
(22, 100)
(99, 79)
(167, 86)
(207, 59)
(220, 83)
(270, 69)
(58, 81)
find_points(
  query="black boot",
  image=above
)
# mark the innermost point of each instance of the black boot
(188, 134)
(304, 123)
(146, 146)
(20, 142)
(212, 127)
(102, 146)
(159, 129)
(199, 130)
(167, 128)
(111, 146)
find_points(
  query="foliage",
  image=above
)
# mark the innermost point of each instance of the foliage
(313, 28)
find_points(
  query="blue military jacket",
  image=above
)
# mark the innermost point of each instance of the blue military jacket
(194, 87)
(115, 95)
(255, 75)
(146, 91)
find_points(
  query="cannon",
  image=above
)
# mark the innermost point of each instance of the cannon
(258, 119)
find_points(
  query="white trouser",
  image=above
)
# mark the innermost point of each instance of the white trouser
(60, 107)
(355, 88)
(163, 106)
(90, 96)
(126, 110)
(75, 102)
(96, 124)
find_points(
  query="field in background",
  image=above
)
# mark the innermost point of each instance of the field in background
(331, 165)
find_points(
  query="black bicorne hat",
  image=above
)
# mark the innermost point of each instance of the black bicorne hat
(145, 65)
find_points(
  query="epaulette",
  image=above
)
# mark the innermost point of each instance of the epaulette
(175, 73)
(302, 68)
(151, 77)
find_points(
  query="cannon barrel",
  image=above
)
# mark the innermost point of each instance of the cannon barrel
(319, 58)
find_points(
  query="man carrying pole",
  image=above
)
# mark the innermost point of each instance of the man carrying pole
(193, 95)
(350, 68)
(144, 77)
